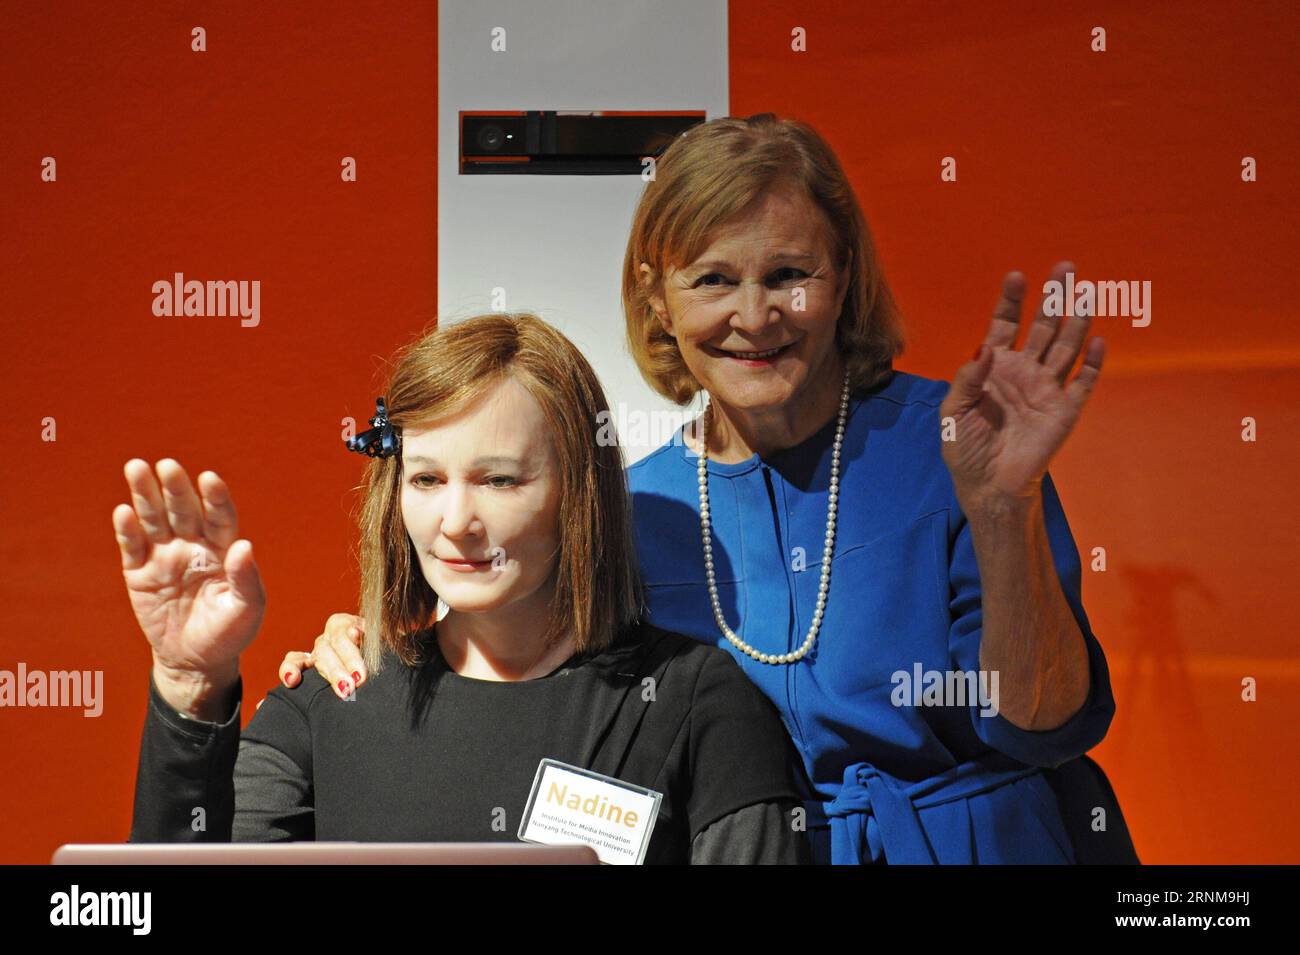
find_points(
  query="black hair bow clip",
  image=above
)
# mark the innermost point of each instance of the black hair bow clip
(383, 440)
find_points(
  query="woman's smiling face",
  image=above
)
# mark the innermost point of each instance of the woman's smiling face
(480, 501)
(741, 298)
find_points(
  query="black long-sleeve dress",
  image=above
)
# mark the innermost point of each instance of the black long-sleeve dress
(424, 754)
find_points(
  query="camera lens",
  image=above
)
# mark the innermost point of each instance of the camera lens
(490, 137)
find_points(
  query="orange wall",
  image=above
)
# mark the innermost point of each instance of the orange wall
(225, 165)
(221, 165)
(1128, 163)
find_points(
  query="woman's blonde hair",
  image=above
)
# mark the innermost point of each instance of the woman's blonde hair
(709, 175)
(597, 590)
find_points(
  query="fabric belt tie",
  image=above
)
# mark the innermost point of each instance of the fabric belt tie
(875, 813)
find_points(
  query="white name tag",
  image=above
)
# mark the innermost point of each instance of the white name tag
(570, 804)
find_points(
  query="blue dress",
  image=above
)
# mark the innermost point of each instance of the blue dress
(935, 778)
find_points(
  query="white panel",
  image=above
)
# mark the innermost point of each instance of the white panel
(555, 243)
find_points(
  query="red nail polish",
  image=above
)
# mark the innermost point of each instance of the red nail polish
(356, 677)
(343, 687)
(288, 677)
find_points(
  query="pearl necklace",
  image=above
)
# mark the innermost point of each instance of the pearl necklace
(825, 585)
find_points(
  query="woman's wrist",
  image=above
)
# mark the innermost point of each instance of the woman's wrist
(197, 695)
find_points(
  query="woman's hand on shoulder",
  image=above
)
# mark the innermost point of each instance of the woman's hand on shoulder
(336, 656)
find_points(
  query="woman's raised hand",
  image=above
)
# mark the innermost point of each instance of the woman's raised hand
(1012, 409)
(336, 656)
(192, 582)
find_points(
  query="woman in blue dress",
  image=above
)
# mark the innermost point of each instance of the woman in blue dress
(885, 555)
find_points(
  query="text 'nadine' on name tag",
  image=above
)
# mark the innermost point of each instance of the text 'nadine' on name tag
(570, 804)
